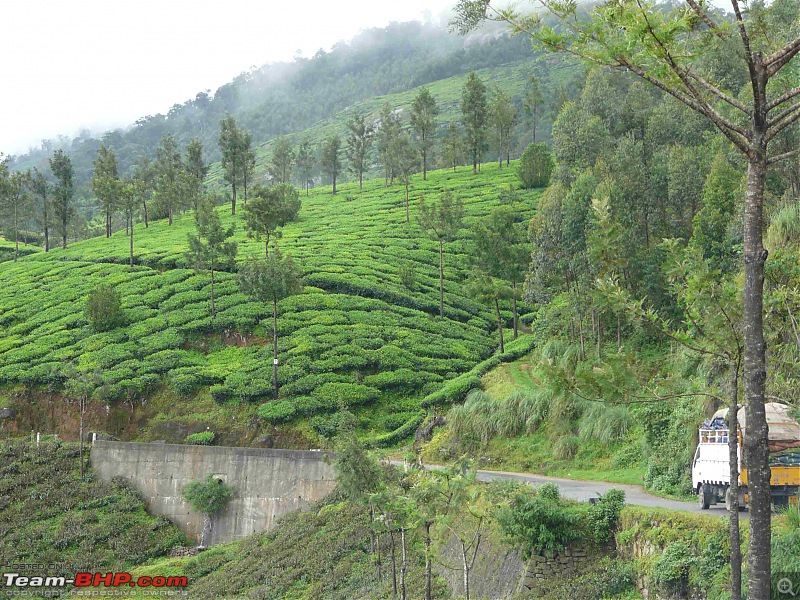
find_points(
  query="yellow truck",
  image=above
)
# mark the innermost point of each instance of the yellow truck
(711, 465)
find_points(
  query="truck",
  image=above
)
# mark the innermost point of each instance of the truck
(711, 464)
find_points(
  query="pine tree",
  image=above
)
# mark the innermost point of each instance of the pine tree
(331, 160)
(270, 209)
(502, 116)
(305, 163)
(387, 141)
(105, 182)
(282, 160)
(533, 101)
(197, 169)
(61, 166)
(169, 184)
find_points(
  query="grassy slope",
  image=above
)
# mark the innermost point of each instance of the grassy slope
(48, 515)
(533, 452)
(323, 553)
(7, 248)
(355, 321)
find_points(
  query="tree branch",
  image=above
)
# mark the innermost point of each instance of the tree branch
(706, 19)
(781, 99)
(720, 94)
(780, 59)
(782, 115)
(743, 33)
(779, 157)
(788, 120)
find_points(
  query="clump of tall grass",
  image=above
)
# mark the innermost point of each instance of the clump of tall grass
(604, 423)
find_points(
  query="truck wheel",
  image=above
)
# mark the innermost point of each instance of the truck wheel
(703, 494)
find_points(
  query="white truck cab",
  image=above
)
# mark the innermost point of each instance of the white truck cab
(711, 475)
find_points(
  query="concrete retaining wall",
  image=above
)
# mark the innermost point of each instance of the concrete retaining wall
(269, 483)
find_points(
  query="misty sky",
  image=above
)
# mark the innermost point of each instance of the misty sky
(101, 64)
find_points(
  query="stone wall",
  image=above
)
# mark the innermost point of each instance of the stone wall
(572, 561)
(269, 483)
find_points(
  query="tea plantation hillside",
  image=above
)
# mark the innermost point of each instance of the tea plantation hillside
(364, 332)
(50, 516)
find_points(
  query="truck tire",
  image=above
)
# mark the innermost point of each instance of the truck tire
(704, 496)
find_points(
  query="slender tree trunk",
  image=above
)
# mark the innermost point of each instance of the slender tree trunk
(466, 571)
(81, 409)
(500, 153)
(213, 308)
(207, 525)
(756, 446)
(334, 184)
(424, 158)
(46, 237)
(441, 278)
(407, 218)
(499, 325)
(394, 565)
(275, 345)
(599, 336)
(514, 308)
(130, 216)
(144, 207)
(233, 199)
(403, 563)
(619, 333)
(64, 223)
(169, 213)
(16, 233)
(428, 575)
(361, 179)
(733, 490)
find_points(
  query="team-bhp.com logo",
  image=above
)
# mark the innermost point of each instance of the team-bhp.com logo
(84, 579)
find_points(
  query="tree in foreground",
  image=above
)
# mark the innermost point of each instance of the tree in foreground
(305, 163)
(208, 497)
(270, 280)
(476, 116)
(270, 209)
(532, 103)
(105, 182)
(666, 46)
(503, 252)
(423, 121)
(331, 160)
(61, 165)
(489, 290)
(40, 188)
(81, 389)
(359, 142)
(441, 223)
(211, 249)
(282, 160)
(502, 117)
(453, 146)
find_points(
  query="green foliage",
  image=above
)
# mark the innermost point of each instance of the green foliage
(608, 578)
(277, 412)
(270, 209)
(208, 496)
(536, 166)
(104, 309)
(201, 438)
(604, 515)
(670, 570)
(542, 522)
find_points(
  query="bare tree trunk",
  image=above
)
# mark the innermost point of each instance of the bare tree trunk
(733, 490)
(403, 563)
(499, 325)
(514, 309)
(275, 345)
(428, 575)
(81, 409)
(466, 570)
(441, 278)
(756, 445)
(407, 218)
(213, 308)
(394, 565)
(169, 213)
(130, 216)
(144, 207)
(233, 199)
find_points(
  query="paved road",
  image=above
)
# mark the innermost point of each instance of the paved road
(583, 490)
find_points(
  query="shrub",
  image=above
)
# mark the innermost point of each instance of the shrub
(333, 395)
(104, 309)
(208, 496)
(670, 571)
(201, 438)
(542, 522)
(604, 515)
(276, 412)
(535, 166)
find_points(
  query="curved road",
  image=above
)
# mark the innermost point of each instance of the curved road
(583, 490)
